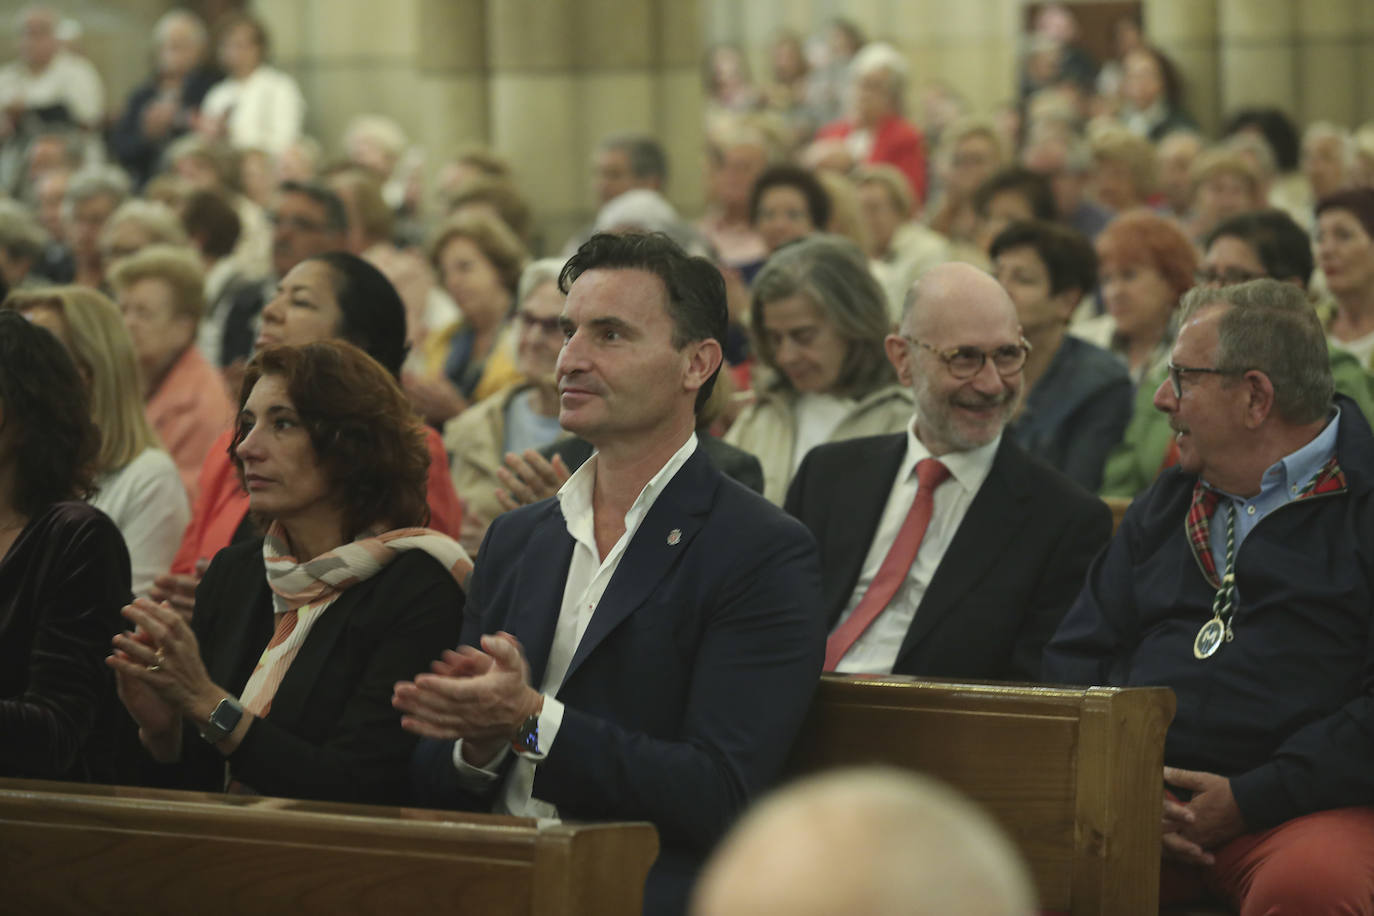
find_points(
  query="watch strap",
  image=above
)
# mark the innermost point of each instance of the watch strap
(223, 720)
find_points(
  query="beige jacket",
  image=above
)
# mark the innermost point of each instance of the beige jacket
(475, 440)
(768, 429)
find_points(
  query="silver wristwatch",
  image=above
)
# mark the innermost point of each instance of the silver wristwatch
(222, 721)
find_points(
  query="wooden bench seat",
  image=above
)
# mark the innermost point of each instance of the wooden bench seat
(1074, 774)
(97, 849)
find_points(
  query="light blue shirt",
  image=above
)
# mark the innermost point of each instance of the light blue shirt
(1280, 485)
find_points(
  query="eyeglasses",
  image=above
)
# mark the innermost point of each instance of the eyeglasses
(1205, 276)
(966, 362)
(298, 223)
(1176, 374)
(544, 325)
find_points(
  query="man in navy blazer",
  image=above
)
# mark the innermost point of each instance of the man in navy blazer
(644, 646)
(1009, 539)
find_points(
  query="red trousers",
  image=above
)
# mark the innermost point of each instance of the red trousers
(1313, 865)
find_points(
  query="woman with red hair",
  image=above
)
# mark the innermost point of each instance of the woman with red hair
(1146, 264)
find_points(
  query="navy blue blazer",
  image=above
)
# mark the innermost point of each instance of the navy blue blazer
(692, 679)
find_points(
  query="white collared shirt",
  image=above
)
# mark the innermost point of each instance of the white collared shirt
(588, 577)
(875, 652)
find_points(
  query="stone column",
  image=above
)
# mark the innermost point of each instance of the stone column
(564, 73)
(1259, 63)
(1186, 30)
(1328, 61)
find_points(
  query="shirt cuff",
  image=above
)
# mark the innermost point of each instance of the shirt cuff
(475, 778)
(550, 720)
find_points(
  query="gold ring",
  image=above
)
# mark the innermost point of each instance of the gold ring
(154, 667)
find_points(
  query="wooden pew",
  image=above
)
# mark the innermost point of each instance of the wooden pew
(98, 849)
(1074, 774)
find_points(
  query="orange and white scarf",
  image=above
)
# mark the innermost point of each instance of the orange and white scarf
(302, 592)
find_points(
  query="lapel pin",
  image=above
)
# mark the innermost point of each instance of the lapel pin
(674, 537)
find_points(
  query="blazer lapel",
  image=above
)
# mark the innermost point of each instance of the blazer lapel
(539, 591)
(858, 510)
(993, 518)
(663, 538)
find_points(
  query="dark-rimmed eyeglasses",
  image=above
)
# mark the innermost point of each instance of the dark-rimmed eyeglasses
(1177, 372)
(1206, 276)
(966, 362)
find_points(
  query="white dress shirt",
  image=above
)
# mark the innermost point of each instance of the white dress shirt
(265, 111)
(69, 79)
(588, 577)
(875, 652)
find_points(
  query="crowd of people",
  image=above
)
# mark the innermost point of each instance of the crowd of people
(317, 481)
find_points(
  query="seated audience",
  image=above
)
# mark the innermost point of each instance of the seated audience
(1266, 243)
(963, 580)
(22, 242)
(92, 195)
(329, 296)
(874, 130)
(523, 416)
(1328, 156)
(1065, 162)
(48, 83)
(1238, 580)
(478, 260)
(213, 228)
(1225, 184)
(874, 840)
(1145, 264)
(1078, 396)
(669, 615)
(1176, 154)
(166, 105)
(899, 248)
(1124, 170)
(818, 321)
(736, 157)
(281, 684)
(64, 571)
(1152, 95)
(206, 166)
(137, 484)
(786, 204)
(133, 227)
(970, 152)
(1345, 253)
(256, 106)
(1010, 195)
(161, 292)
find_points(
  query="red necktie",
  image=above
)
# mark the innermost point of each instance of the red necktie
(930, 473)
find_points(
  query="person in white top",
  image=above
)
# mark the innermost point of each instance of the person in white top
(975, 587)
(139, 487)
(46, 77)
(256, 106)
(667, 687)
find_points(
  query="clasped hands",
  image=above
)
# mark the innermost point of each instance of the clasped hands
(480, 696)
(1208, 820)
(160, 676)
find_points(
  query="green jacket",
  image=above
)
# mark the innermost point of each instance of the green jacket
(1133, 464)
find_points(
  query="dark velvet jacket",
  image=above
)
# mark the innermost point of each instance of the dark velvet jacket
(62, 586)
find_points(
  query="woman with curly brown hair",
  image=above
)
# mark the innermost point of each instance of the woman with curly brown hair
(64, 571)
(287, 667)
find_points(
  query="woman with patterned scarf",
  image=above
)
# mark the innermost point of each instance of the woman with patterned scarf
(282, 682)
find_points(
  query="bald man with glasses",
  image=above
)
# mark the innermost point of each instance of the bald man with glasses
(946, 550)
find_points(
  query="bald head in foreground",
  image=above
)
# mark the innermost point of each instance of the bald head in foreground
(946, 550)
(877, 841)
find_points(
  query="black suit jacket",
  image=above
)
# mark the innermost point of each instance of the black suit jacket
(331, 733)
(691, 680)
(1014, 566)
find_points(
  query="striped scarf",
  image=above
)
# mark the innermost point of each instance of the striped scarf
(302, 592)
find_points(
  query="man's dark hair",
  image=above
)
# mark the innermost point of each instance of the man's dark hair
(335, 216)
(1280, 243)
(646, 155)
(793, 176)
(1034, 187)
(696, 291)
(1277, 129)
(47, 410)
(1066, 253)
